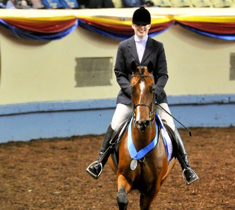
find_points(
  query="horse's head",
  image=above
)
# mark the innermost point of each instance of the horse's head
(143, 97)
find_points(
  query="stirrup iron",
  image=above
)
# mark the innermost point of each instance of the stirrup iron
(91, 173)
(184, 177)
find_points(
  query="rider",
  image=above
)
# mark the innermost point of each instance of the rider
(141, 49)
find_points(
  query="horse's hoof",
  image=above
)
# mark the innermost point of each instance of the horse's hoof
(122, 201)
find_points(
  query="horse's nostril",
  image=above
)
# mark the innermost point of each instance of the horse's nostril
(142, 125)
(147, 123)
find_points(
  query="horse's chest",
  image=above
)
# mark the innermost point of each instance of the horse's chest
(145, 177)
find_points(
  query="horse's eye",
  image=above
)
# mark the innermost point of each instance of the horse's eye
(132, 89)
(152, 89)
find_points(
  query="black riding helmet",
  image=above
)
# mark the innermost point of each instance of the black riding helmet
(141, 16)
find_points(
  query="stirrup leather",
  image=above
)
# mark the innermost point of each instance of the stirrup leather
(91, 173)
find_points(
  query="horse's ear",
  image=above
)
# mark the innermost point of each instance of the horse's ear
(133, 66)
(150, 66)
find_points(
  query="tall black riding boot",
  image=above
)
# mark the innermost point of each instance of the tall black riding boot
(188, 174)
(95, 168)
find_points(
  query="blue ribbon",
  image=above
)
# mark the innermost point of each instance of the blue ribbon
(141, 153)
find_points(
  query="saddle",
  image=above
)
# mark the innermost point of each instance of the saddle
(172, 137)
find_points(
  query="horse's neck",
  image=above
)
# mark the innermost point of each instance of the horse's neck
(142, 139)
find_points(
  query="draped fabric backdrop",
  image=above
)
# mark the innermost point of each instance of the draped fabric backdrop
(53, 28)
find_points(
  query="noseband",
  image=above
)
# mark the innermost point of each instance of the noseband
(143, 104)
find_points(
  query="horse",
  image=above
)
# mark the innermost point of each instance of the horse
(148, 173)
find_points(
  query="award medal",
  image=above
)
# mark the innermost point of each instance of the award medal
(133, 164)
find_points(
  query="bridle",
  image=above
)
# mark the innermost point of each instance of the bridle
(152, 112)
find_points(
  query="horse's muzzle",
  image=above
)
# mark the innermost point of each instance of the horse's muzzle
(142, 125)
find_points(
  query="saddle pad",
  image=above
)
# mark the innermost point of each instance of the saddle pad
(166, 139)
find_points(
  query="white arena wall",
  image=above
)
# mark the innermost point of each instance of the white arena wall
(39, 97)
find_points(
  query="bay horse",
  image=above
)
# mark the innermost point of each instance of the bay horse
(148, 173)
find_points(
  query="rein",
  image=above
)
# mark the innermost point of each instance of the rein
(142, 76)
(150, 109)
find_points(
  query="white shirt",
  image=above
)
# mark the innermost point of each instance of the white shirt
(140, 46)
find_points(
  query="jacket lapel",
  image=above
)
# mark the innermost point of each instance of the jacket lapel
(148, 49)
(133, 50)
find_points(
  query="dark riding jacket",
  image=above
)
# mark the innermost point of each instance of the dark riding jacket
(127, 53)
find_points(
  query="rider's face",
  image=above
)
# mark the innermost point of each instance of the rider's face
(141, 30)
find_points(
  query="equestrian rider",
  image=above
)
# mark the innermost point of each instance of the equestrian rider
(141, 49)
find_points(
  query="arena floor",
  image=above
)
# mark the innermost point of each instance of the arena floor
(50, 174)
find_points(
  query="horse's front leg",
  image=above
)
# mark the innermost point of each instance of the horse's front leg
(123, 188)
(146, 200)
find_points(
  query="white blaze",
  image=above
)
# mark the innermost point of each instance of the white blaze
(142, 86)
